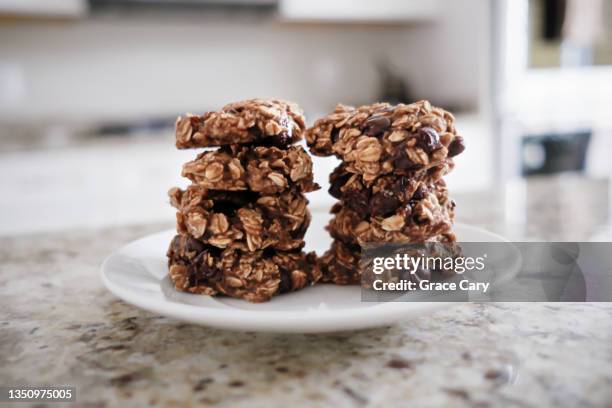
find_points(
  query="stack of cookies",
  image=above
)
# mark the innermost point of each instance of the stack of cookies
(390, 182)
(242, 220)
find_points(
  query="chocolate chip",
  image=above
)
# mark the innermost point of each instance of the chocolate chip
(419, 193)
(175, 245)
(255, 131)
(228, 202)
(429, 139)
(337, 180)
(376, 125)
(335, 134)
(282, 140)
(285, 283)
(268, 252)
(203, 271)
(383, 204)
(357, 200)
(334, 189)
(192, 245)
(403, 162)
(300, 231)
(456, 147)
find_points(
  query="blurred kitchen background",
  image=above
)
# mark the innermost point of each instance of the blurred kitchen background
(89, 91)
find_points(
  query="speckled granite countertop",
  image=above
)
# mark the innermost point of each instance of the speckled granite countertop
(60, 326)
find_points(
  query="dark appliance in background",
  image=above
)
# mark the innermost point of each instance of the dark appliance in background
(553, 16)
(393, 88)
(554, 152)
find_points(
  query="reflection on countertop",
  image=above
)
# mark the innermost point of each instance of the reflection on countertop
(60, 326)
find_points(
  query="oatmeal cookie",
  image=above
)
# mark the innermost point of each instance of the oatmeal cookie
(386, 194)
(242, 220)
(254, 276)
(343, 263)
(258, 121)
(340, 264)
(267, 170)
(429, 213)
(381, 138)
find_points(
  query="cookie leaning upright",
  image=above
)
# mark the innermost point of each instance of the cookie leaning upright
(242, 220)
(390, 182)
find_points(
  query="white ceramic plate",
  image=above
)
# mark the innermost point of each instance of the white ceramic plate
(137, 273)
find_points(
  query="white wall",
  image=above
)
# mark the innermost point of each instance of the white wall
(449, 60)
(125, 68)
(114, 68)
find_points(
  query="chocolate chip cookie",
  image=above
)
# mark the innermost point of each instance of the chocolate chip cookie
(255, 276)
(428, 213)
(381, 139)
(385, 194)
(242, 220)
(254, 121)
(267, 170)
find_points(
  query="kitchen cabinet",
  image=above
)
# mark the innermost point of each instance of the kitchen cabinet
(357, 11)
(43, 8)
